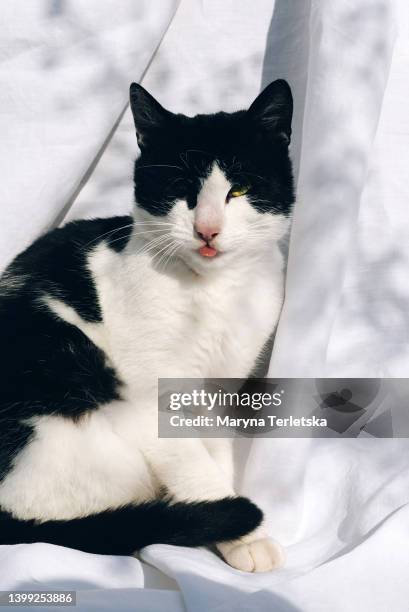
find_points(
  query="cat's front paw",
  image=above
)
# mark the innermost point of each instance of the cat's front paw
(261, 555)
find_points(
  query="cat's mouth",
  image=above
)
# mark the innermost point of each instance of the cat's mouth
(207, 251)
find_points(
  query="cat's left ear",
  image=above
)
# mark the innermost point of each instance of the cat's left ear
(272, 110)
(148, 114)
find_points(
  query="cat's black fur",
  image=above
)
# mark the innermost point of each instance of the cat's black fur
(48, 366)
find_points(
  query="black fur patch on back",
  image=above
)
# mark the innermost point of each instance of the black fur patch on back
(57, 262)
(48, 366)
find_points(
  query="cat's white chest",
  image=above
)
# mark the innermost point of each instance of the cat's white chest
(177, 325)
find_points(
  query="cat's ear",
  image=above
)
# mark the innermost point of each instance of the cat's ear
(272, 110)
(148, 114)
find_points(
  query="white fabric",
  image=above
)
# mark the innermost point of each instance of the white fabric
(65, 68)
(346, 312)
(341, 506)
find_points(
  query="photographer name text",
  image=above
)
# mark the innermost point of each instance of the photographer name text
(244, 423)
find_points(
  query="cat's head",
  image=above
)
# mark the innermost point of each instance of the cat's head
(212, 189)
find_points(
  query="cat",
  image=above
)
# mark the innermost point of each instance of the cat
(92, 313)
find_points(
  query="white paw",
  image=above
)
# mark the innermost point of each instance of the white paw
(257, 556)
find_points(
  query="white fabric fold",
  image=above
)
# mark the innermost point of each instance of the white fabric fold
(343, 313)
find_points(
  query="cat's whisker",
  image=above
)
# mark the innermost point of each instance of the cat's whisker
(117, 229)
(163, 252)
(151, 223)
(155, 244)
(118, 239)
(254, 229)
(171, 253)
(161, 233)
(146, 246)
(143, 232)
(152, 244)
(172, 256)
(124, 227)
(160, 255)
(246, 237)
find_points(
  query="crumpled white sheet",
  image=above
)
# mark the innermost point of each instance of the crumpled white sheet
(340, 506)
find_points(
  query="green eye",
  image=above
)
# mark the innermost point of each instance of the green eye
(238, 190)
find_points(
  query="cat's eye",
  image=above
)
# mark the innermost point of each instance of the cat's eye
(238, 190)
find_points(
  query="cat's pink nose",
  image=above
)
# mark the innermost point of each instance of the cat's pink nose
(206, 233)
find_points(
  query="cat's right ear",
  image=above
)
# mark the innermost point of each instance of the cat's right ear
(148, 114)
(272, 111)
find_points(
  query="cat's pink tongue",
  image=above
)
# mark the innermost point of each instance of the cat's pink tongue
(207, 251)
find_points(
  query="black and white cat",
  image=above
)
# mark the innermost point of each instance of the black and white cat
(93, 313)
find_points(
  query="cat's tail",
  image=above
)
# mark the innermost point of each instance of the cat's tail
(129, 528)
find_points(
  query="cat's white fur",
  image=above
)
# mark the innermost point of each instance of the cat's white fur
(193, 317)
